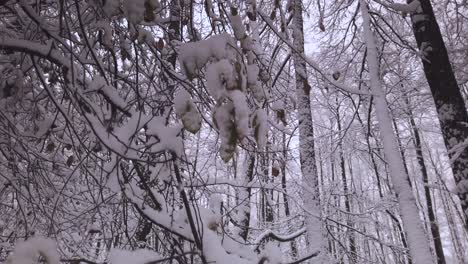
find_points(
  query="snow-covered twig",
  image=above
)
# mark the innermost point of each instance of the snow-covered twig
(281, 238)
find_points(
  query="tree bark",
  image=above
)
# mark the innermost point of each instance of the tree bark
(315, 236)
(439, 250)
(287, 210)
(417, 240)
(246, 197)
(352, 241)
(448, 99)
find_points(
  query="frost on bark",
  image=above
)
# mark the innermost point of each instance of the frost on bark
(417, 239)
(449, 102)
(306, 137)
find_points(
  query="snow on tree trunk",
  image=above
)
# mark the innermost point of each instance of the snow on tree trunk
(417, 239)
(449, 102)
(315, 236)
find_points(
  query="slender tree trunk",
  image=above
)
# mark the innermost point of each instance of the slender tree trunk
(449, 102)
(439, 250)
(174, 26)
(315, 235)
(417, 240)
(245, 196)
(336, 203)
(389, 213)
(403, 157)
(287, 210)
(379, 184)
(458, 248)
(352, 244)
(267, 196)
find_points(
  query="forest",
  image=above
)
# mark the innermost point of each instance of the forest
(233, 131)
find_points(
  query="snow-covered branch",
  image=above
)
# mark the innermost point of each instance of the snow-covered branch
(406, 8)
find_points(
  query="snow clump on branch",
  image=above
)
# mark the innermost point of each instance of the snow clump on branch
(27, 252)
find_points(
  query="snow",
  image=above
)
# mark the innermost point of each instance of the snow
(225, 82)
(104, 136)
(121, 138)
(238, 27)
(96, 83)
(215, 203)
(253, 83)
(219, 76)
(194, 55)
(28, 251)
(260, 128)
(163, 218)
(224, 121)
(187, 111)
(168, 136)
(180, 102)
(223, 249)
(261, 237)
(277, 105)
(111, 94)
(232, 121)
(252, 74)
(44, 126)
(42, 50)
(241, 112)
(406, 8)
(272, 253)
(113, 171)
(139, 256)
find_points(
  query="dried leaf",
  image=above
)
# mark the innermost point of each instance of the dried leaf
(160, 44)
(70, 160)
(50, 147)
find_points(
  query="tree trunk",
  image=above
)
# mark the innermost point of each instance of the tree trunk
(439, 250)
(417, 240)
(315, 236)
(378, 179)
(352, 243)
(449, 103)
(287, 210)
(246, 197)
(449, 214)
